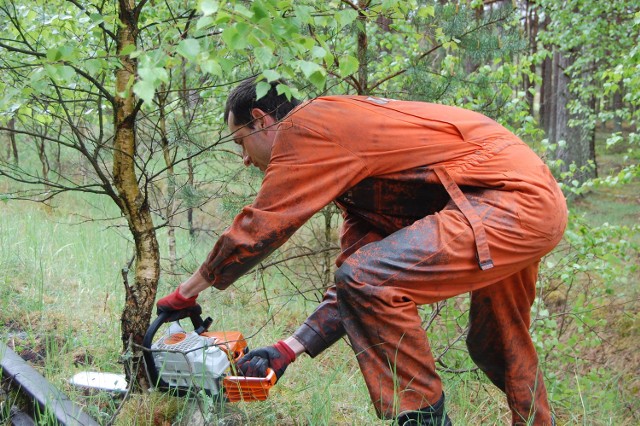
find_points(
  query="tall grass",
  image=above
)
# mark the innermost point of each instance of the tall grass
(61, 296)
(59, 275)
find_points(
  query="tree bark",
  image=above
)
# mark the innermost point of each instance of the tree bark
(546, 89)
(12, 140)
(133, 203)
(578, 146)
(531, 25)
(617, 104)
(362, 49)
(555, 97)
(191, 183)
(363, 46)
(170, 197)
(186, 105)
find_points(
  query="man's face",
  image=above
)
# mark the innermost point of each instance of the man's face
(256, 143)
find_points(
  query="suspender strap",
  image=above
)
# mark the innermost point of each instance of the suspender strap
(463, 204)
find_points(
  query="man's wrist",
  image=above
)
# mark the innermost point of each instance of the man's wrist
(295, 345)
(193, 286)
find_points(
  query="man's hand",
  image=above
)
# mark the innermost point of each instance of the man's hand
(176, 302)
(276, 357)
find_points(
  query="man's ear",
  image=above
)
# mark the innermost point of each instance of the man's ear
(258, 116)
(261, 118)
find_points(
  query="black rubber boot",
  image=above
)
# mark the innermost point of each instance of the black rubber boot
(433, 415)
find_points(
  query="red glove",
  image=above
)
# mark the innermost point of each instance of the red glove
(176, 302)
(276, 357)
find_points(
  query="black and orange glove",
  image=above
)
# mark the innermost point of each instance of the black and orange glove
(276, 357)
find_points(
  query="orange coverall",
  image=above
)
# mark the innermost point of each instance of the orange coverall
(437, 201)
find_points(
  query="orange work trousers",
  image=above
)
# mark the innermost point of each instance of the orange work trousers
(380, 284)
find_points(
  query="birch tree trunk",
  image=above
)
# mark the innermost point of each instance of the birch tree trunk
(134, 205)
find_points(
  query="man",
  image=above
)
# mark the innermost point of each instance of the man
(437, 201)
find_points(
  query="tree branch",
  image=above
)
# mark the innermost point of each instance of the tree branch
(101, 25)
(23, 51)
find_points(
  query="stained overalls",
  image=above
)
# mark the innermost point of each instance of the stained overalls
(437, 201)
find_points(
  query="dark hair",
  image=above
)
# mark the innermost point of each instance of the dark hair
(242, 100)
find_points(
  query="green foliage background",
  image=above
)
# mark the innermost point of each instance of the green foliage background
(61, 259)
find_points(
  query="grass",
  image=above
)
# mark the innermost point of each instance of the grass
(61, 296)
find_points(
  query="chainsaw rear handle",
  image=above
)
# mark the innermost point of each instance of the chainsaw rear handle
(199, 326)
(242, 388)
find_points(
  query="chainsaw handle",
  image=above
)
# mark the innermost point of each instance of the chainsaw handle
(194, 314)
(199, 325)
(270, 378)
(242, 388)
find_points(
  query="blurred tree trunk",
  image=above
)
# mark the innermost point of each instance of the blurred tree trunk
(12, 140)
(546, 94)
(576, 143)
(531, 30)
(617, 104)
(555, 97)
(559, 122)
(187, 95)
(363, 46)
(546, 88)
(42, 155)
(191, 183)
(133, 203)
(170, 192)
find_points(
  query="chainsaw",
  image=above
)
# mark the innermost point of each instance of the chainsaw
(186, 362)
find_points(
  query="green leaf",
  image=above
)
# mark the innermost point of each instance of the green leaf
(283, 89)
(348, 65)
(66, 73)
(54, 54)
(259, 12)
(96, 18)
(271, 75)
(51, 71)
(234, 39)
(36, 75)
(308, 68)
(346, 17)
(222, 18)
(212, 67)
(189, 48)
(153, 74)
(227, 65)
(209, 7)
(67, 52)
(307, 42)
(318, 79)
(145, 90)
(262, 88)
(204, 22)
(426, 12)
(128, 49)
(303, 13)
(242, 10)
(263, 55)
(388, 4)
(318, 52)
